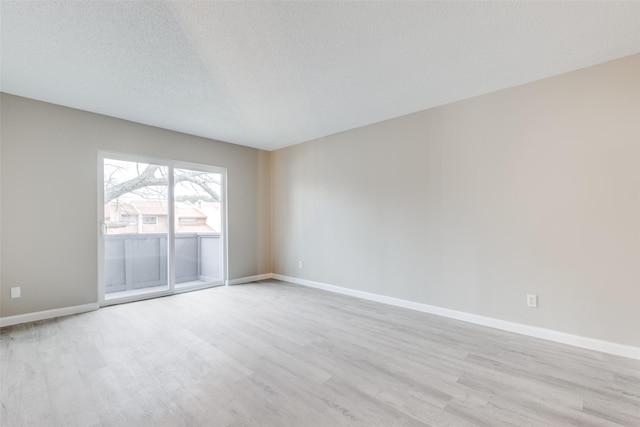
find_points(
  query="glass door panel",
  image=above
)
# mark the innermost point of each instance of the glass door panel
(198, 229)
(135, 228)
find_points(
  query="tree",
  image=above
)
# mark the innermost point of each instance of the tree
(154, 176)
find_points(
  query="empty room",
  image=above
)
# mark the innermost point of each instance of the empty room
(315, 214)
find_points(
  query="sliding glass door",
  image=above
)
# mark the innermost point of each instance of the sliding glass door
(161, 228)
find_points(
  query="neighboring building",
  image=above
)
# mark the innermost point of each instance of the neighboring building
(212, 211)
(151, 216)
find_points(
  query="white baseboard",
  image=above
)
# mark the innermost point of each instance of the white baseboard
(533, 331)
(249, 279)
(47, 314)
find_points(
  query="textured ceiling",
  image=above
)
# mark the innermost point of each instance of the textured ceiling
(272, 74)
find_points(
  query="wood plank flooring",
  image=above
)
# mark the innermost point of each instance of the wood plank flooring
(275, 354)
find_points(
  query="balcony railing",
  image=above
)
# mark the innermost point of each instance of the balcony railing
(136, 261)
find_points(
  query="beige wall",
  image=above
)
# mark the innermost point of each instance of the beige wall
(470, 206)
(49, 178)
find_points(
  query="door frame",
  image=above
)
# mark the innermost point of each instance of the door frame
(171, 164)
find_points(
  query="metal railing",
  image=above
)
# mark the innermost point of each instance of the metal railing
(136, 261)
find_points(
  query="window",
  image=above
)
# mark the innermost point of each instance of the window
(129, 219)
(149, 220)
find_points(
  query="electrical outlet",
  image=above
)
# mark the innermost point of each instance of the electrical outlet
(300, 265)
(15, 292)
(532, 301)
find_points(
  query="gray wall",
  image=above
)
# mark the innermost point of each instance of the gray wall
(470, 206)
(49, 198)
(535, 189)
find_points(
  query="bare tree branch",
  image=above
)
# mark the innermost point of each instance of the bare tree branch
(147, 178)
(196, 178)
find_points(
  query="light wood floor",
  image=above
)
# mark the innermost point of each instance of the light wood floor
(274, 354)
